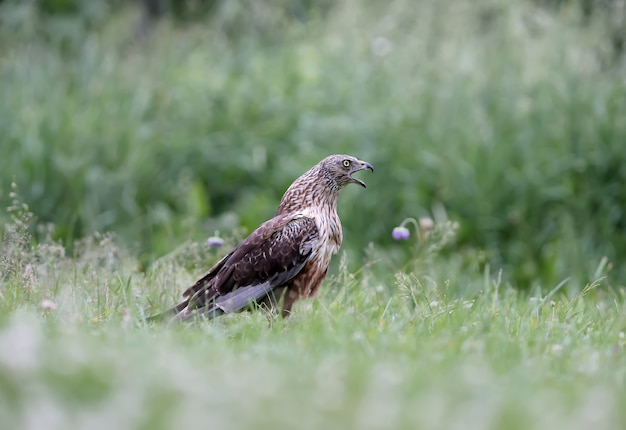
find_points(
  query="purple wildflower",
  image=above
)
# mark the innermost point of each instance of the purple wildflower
(215, 242)
(400, 233)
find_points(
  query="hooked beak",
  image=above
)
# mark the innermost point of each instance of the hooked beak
(364, 165)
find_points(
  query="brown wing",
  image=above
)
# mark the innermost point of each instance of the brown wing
(270, 257)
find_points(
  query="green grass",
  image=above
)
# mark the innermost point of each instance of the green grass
(381, 348)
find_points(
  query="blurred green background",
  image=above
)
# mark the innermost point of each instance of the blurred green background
(163, 121)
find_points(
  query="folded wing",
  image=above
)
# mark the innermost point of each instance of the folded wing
(270, 257)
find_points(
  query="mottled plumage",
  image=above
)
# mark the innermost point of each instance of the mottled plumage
(285, 258)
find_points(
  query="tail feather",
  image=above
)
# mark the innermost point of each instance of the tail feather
(182, 312)
(168, 314)
(208, 312)
(217, 305)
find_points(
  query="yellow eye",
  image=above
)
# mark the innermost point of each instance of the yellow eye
(346, 163)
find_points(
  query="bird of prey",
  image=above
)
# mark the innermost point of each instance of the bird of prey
(286, 258)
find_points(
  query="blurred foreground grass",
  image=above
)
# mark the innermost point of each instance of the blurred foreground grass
(508, 116)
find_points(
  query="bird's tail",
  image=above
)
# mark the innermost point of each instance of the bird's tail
(168, 314)
(209, 312)
(181, 312)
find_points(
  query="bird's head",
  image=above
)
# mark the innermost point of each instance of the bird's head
(340, 169)
(321, 184)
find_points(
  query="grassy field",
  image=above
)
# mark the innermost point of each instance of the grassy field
(501, 122)
(382, 348)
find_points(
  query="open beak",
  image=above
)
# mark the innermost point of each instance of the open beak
(363, 166)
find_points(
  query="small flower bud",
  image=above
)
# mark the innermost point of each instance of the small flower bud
(400, 233)
(215, 242)
(426, 225)
(48, 305)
